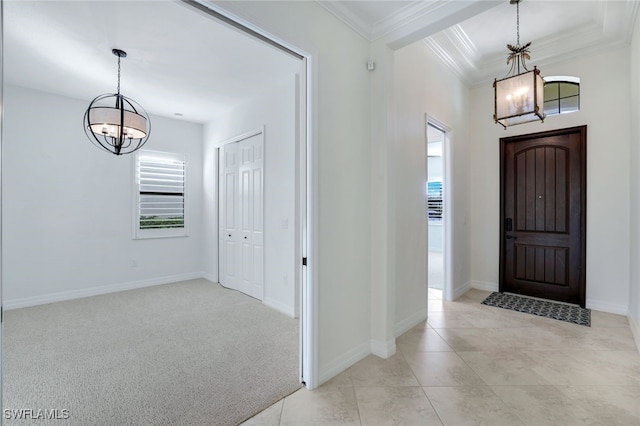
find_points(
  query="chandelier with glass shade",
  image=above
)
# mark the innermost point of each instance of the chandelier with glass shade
(518, 98)
(116, 123)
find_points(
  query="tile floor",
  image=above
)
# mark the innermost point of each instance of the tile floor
(471, 364)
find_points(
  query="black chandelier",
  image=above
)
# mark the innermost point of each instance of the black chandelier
(115, 123)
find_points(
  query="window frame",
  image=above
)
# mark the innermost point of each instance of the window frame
(140, 234)
(559, 80)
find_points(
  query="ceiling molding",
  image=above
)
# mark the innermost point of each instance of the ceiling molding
(349, 18)
(405, 16)
(612, 27)
(446, 59)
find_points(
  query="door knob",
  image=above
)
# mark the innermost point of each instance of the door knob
(511, 237)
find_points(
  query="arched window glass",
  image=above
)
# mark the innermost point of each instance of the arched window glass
(561, 95)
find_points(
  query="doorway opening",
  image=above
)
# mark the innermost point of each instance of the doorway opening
(437, 212)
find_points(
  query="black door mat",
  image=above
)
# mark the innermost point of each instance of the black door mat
(542, 308)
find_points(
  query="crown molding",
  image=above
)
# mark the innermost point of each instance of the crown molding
(405, 16)
(349, 18)
(612, 27)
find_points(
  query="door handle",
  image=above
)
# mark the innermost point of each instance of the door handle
(511, 237)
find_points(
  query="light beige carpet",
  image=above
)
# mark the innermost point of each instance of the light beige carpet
(190, 353)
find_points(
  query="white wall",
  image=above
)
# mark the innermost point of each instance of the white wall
(276, 111)
(340, 174)
(604, 108)
(68, 206)
(634, 231)
(424, 86)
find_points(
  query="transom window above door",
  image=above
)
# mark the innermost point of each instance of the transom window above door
(561, 95)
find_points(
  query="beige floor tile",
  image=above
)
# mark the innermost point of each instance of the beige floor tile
(543, 405)
(395, 406)
(486, 339)
(329, 406)
(504, 367)
(573, 368)
(491, 317)
(609, 339)
(470, 405)
(448, 319)
(441, 369)
(341, 380)
(475, 295)
(268, 417)
(421, 339)
(605, 319)
(612, 405)
(374, 371)
(539, 371)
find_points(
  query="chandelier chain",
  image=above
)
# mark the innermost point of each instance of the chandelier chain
(118, 75)
(517, 23)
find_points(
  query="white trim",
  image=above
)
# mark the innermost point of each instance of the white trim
(210, 277)
(211, 4)
(635, 330)
(459, 291)
(410, 322)
(383, 349)
(612, 308)
(561, 78)
(447, 203)
(145, 234)
(344, 361)
(347, 17)
(243, 136)
(485, 285)
(25, 302)
(280, 307)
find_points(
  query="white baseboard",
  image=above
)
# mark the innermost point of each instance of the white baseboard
(210, 277)
(612, 308)
(280, 307)
(635, 330)
(383, 349)
(485, 285)
(344, 361)
(25, 302)
(460, 290)
(410, 322)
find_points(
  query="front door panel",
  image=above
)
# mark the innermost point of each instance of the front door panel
(543, 200)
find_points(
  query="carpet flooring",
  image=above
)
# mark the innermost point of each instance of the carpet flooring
(190, 353)
(542, 308)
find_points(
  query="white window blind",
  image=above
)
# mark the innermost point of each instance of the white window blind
(161, 194)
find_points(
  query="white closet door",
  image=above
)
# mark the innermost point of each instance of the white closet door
(229, 203)
(251, 216)
(247, 249)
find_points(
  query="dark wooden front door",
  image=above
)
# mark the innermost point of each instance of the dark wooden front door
(543, 208)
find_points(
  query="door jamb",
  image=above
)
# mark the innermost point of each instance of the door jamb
(308, 190)
(447, 241)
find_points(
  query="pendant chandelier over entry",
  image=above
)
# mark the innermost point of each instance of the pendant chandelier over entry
(518, 98)
(115, 123)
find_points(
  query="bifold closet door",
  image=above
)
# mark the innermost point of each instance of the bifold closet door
(243, 216)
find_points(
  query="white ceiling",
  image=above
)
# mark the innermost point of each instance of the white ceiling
(179, 60)
(475, 49)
